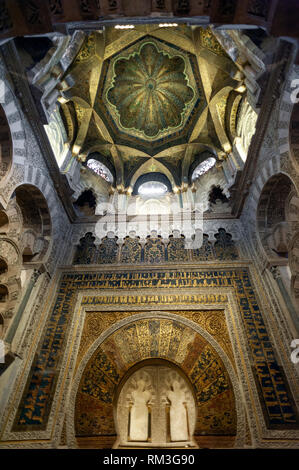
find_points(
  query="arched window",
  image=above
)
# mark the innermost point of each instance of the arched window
(203, 167)
(152, 185)
(100, 169)
(152, 188)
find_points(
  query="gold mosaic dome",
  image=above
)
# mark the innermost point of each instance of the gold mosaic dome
(150, 90)
(152, 100)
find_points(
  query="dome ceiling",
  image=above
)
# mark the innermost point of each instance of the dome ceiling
(153, 90)
(149, 95)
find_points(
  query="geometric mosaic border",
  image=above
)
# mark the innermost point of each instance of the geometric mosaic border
(276, 399)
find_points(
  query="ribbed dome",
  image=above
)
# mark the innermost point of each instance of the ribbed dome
(150, 90)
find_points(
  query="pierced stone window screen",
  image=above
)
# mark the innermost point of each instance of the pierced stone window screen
(203, 167)
(100, 169)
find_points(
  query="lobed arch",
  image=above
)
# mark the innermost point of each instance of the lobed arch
(11, 219)
(90, 181)
(215, 193)
(206, 183)
(87, 200)
(25, 238)
(146, 362)
(39, 186)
